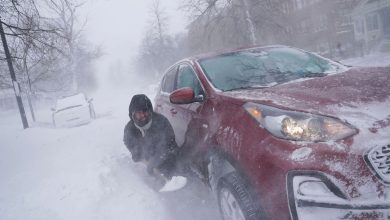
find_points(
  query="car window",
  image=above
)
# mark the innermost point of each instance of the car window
(168, 83)
(187, 78)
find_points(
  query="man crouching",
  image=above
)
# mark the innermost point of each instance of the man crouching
(150, 139)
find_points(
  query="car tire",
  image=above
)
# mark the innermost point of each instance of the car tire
(236, 201)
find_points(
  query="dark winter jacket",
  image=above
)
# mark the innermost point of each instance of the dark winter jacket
(158, 147)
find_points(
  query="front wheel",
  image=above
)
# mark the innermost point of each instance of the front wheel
(235, 199)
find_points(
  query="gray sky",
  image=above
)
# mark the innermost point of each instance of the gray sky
(118, 26)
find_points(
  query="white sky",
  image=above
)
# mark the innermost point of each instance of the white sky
(118, 26)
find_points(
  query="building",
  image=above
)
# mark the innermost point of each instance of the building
(372, 26)
(322, 26)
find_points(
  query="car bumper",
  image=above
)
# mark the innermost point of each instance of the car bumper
(329, 202)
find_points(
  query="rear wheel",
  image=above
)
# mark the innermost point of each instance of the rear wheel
(235, 199)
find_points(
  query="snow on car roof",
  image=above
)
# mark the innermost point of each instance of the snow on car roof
(74, 100)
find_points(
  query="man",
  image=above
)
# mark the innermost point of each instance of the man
(150, 139)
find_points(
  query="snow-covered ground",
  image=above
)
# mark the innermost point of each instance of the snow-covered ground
(378, 59)
(86, 172)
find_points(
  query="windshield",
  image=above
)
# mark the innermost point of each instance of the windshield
(264, 67)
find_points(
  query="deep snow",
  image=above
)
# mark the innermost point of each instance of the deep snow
(86, 172)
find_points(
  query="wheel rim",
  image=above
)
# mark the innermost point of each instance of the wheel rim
(230, 208)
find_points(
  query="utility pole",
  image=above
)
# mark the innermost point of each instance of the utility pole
(13, 77)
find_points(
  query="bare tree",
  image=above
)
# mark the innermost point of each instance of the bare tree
(157, 49)
(64, 18)
(44, 42)
(26, 31)
(45, 45)
(159, 20)
(215, 23)
(219, 24)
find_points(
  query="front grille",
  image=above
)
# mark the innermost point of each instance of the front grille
(379, 160)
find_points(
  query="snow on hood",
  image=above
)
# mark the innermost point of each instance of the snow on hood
(360, 96)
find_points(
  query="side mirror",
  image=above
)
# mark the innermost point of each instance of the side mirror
(199, 98)
(90, 100)
(184, 95)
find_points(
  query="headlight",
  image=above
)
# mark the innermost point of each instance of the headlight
(299, 126)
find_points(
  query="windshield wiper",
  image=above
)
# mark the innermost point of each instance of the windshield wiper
(246, 87)
(339, 62)
(313, 75)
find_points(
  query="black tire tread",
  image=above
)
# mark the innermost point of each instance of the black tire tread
(243, 193)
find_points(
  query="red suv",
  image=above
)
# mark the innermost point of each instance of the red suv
(281, 133)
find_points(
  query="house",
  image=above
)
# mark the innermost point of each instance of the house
(372, 26)
(322, 26)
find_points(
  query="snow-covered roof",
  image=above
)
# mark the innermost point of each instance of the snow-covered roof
(78, 99)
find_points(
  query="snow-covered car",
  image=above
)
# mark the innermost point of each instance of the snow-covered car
(73, 110)
(282, 133)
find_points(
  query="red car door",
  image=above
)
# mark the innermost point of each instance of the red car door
(181, 115)
(168, 84)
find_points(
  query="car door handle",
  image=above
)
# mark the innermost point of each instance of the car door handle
(173, 111)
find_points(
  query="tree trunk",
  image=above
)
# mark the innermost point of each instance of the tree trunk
(249, 22)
